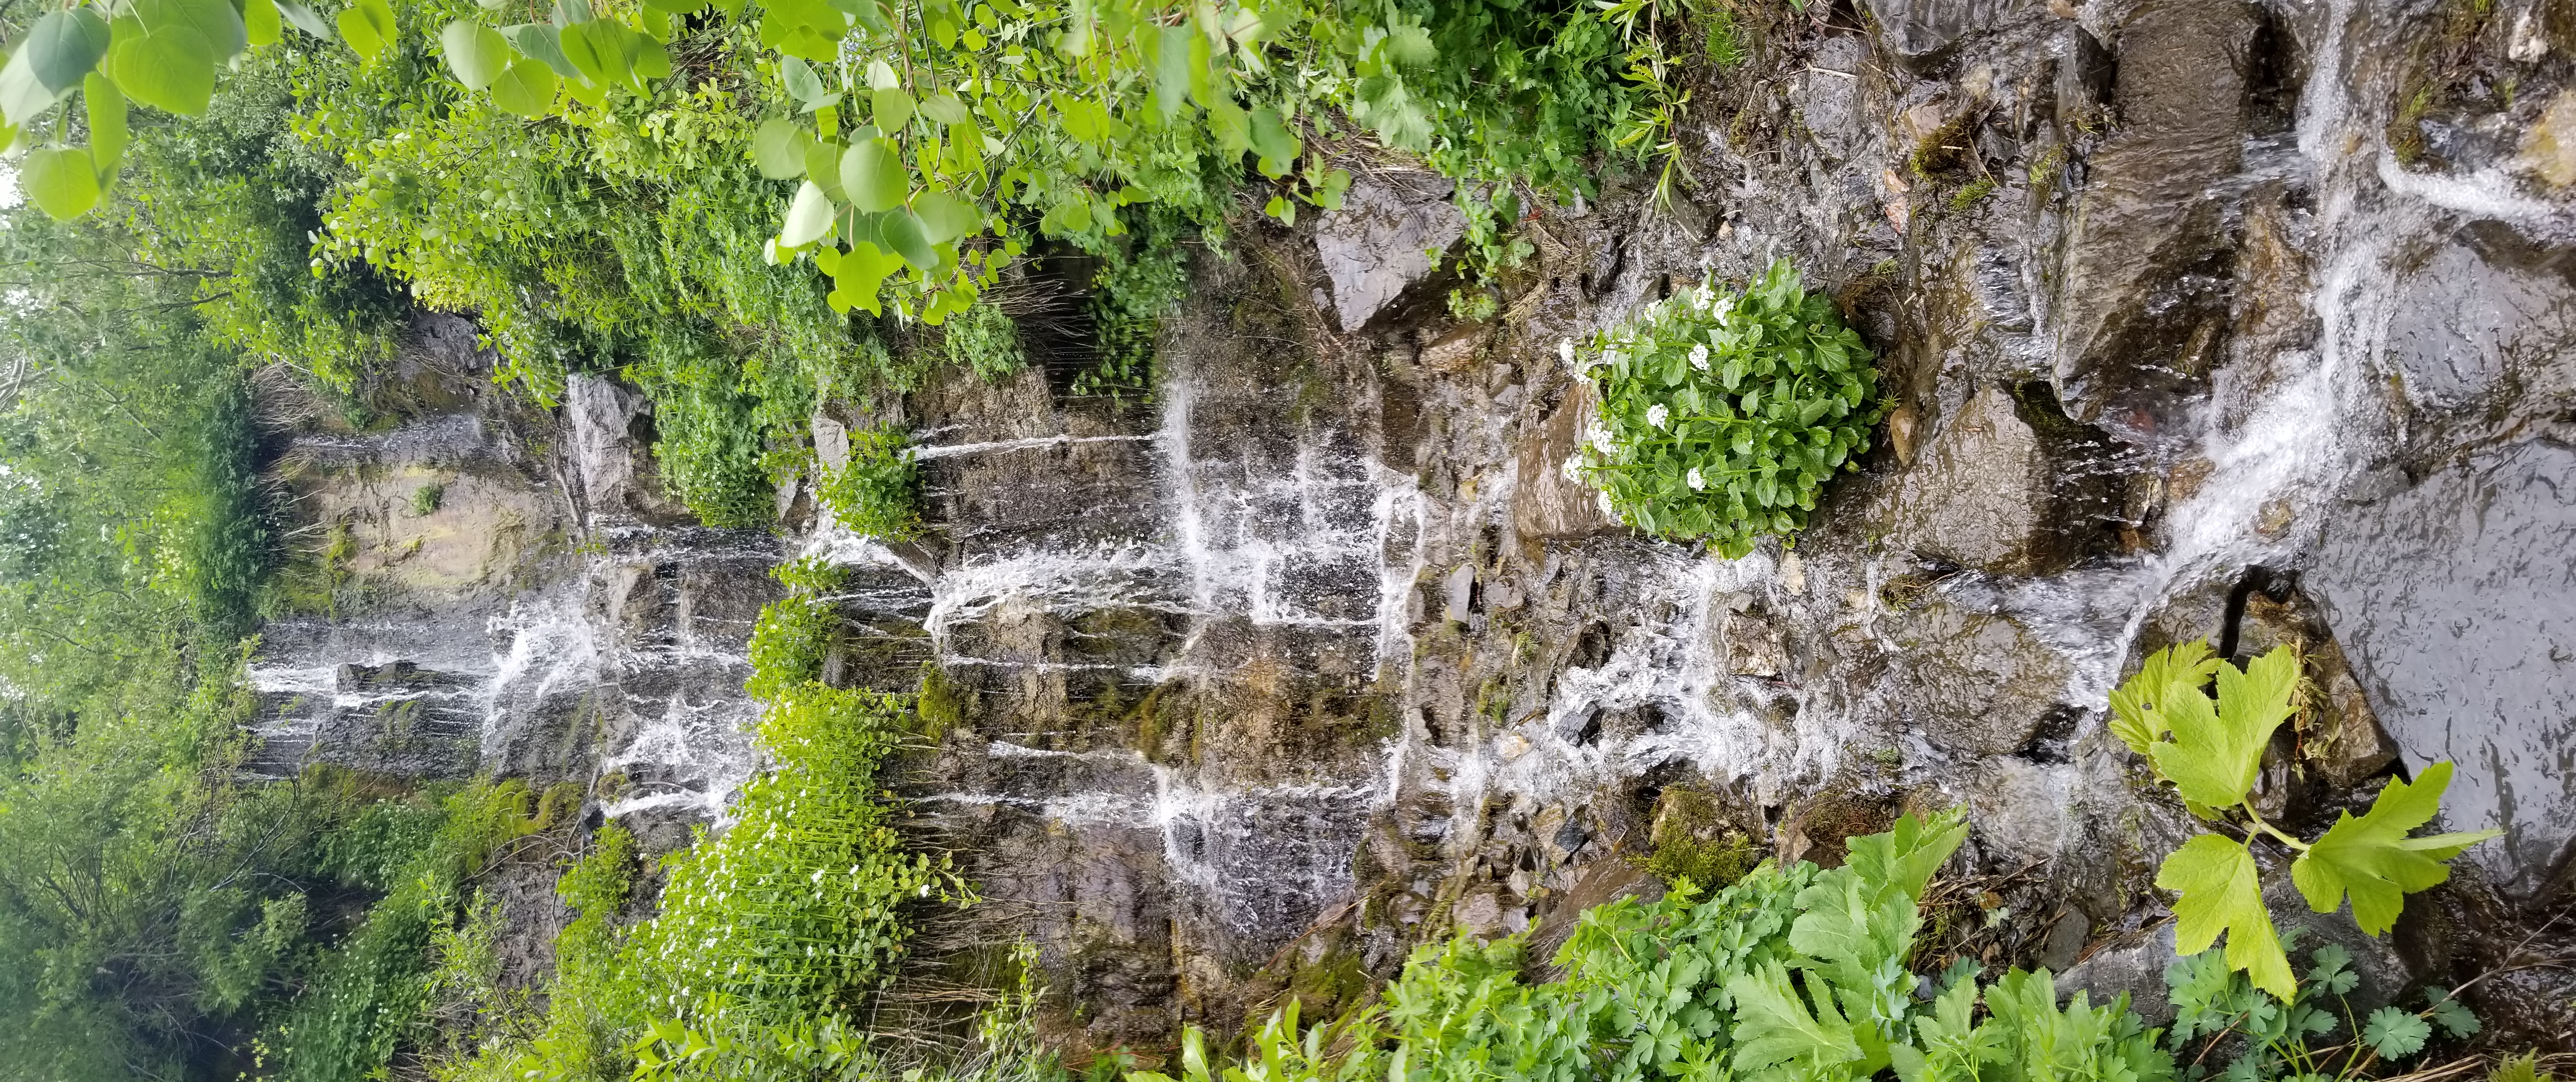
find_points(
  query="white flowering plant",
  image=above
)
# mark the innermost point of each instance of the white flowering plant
(1720, 416)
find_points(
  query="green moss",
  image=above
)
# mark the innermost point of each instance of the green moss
(938, 705)
(1694, 843)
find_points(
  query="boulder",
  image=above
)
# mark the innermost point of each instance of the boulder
(1387, 235)
(1921, 32)
(1545, 502)
(1979, 684)
(1992, 491)
(611, 446)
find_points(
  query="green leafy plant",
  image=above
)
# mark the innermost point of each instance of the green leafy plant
(984, 340)
(1722, 417)
(1793, 973)
(426, 499)
(2210, 748)
(2220, 1012)
(877, 493)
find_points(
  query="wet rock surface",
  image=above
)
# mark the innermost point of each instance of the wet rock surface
(1247, 689)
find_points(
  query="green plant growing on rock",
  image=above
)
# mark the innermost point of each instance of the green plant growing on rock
(2218, 1011)
(2210, 749)
(877, 493)
(1791, 974)
(1721, 417)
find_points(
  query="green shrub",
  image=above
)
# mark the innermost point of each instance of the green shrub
(877, 493)
(793, 633)
(1722, 417)
(984, 340)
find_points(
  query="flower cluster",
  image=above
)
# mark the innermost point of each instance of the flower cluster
(1721, 416)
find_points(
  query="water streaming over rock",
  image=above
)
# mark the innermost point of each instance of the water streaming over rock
(1249, 687)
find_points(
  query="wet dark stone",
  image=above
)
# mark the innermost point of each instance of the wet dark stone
(2456, 601)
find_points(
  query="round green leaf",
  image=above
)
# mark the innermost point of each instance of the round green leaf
(539, 41)
(809, 217)
(368, 26)
(597, 50)
(823, 167)
(525, 88)
(304, 19)
(171, 69)
(476, 53)
(260, 19)
(61, 181)
(873, 175)
(107, 132)
(945, 217)
(947, 109)
(778, 148)
(903, 233)
(801, 82)
(64, 46)
(213, 20)
(893, 108)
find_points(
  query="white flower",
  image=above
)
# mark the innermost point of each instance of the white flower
(1707, 297)
(1565, 351)
(1606, 509)
(1597, 436)
(1612, 357)
(1656, 415)
(1573, 468)
(1699, 357)
(1696, 481)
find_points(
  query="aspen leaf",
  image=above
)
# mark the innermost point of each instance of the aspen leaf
(61, 181)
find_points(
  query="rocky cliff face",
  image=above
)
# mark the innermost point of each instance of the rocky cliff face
(2199, 318)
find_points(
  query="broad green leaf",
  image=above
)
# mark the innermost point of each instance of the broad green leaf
(823, 167)
(526, 88)
(304, 19)
(573, 12)
(1087, 121)
(541, 42)
(61, 181)
(368, 27)
(809, 217)
(778, 148)
(861, 273)
(801, 83)
(1171, 47)
(2137, 708)
(1907, 856)
(107, 130)
(23, 99)
(171, 69)
(597, 49)
(903, 234)
(260, 22)
(476, 53)
(892, 108)
(945, 217)
(2215, 752)
(947, 109)
(63, 47)
(214, 20)
(2221, 891)
(1773, 1025)
(2372, 859)
(873, 175)
(1272, 140)
(1232, 128)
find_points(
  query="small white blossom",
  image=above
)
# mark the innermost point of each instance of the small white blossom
(1612, 357)
(1656, 415)
(1707, 297)
(1598, 437)
(1606, 509)
(1696, 481)
(1573, 468)
(1699, 357)
(1565, 351)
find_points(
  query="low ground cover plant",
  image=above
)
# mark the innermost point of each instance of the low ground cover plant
(1718, 416)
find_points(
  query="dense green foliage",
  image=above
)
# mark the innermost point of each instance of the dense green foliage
(1722, 417)
(877, 493)
(1789, 973)
(767, 937)
(2209, 749)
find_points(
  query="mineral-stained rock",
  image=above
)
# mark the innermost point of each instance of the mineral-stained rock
(1546, 503)
(1921, 32)
(1994, 492)
(2146, 254)
(611, 453)
(1978, 684)
(1385, 237)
